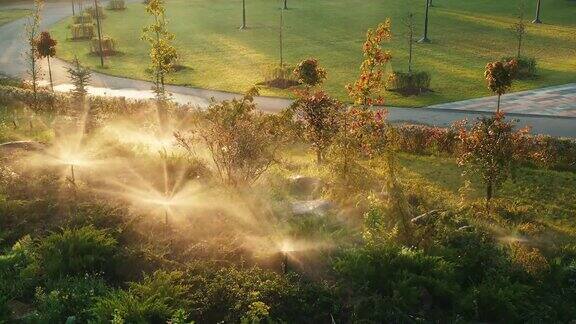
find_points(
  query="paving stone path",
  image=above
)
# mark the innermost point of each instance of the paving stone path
(557, 101)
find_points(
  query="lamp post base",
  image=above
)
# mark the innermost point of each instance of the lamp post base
(537, 21)
(424, 40)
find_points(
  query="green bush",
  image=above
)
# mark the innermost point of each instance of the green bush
(394, 284)
(116, 5)
(108, 46)
(154, 300)
(526, 68)
(77, 252)
(228, 294)
(18, 273)
(68, 297)
(409, 83)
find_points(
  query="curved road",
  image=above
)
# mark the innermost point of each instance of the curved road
(12, 45)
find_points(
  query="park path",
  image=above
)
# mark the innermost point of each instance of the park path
(558, 118)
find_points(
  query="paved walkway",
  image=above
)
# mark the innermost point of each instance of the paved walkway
(12, 45)
(553, 101)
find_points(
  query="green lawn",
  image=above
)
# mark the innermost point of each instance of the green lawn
(9, 15)
(465, 34)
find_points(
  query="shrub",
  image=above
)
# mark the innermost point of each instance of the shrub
(92, 12)
(526, 67)
(18, 271)
(231, 293)
(46, 99)
(279, 76)
(309, 72)
(69, 297)
(116, 5)
(82, 31)
(409, 83)
(529, 259)
(154, 300)
(84, 18)
(421, 139)
(243, 142)
(394, 284)
(77, 252)
(108, 46)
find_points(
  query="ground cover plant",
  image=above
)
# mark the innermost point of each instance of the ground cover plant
(465, 35)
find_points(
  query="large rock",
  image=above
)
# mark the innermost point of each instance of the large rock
(318, 207)
(425, 218)
(306, 186)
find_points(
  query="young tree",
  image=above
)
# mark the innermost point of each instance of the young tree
(499, 77)
(46, 48)
(519, 28)
(79, 76)
(490, 149)
(243, 142)
(321, 117)
(366, 90)
(163, 54)
(31, 54)
(410, 25)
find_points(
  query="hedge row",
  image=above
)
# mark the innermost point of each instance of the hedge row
(540, 150)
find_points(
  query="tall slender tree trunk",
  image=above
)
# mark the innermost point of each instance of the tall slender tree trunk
(411, 41)
(99, 32)
(243, 15)
(519, 47)
(489, 191)
(498, 106)
(281, 41)
(50, 74)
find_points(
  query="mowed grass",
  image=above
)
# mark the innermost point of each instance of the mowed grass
(465, 36)
(9, 15)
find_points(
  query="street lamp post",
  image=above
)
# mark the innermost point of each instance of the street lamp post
(425, 38)
(537, 19)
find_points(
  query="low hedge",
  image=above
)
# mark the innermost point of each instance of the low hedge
(540, 150)
(527, 66)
